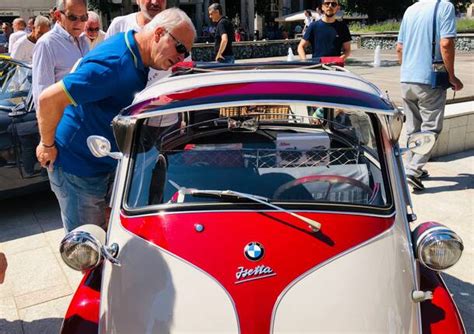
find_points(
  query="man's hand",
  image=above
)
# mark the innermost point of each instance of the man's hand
(46, 155)
(219, 58)
(456, 84)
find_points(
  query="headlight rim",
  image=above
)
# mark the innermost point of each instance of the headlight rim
(431, 236)
(73, 236)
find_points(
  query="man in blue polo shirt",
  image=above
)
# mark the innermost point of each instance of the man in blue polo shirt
(423, 105)
(85, 102)
(328, 36)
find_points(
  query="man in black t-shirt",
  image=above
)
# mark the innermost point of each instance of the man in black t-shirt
(224, 35)
(328, 37)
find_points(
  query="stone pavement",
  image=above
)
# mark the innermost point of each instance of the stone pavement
(39, 286)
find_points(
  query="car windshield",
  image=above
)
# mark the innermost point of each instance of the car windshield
(15, 81)
(318, 156)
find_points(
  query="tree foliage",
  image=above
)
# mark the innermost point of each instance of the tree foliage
(379, 10)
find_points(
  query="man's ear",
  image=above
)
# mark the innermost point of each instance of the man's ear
(159, 31)
(57, 15)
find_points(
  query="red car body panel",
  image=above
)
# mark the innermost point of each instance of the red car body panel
(83, 313)
(225, 234)
(439, 315)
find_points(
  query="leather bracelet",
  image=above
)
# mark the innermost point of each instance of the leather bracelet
(48, 146)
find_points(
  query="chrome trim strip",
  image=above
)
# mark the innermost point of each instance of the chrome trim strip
(120, 226)
(319, 266)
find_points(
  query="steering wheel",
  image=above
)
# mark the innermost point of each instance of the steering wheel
(331, 179)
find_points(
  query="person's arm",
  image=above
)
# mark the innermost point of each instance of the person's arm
(3, 267)
(400, 52)
(447, 53)
(222, 46)
(52, 102)
(447, 27)
(346, 50)
(301, 46)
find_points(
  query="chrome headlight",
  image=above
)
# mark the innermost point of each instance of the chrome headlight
(81, 248)
(437, 246)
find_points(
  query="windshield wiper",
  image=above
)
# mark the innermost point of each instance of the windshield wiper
(313, 225)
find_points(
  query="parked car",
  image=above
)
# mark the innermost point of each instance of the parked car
(19, 171)
(261, 199)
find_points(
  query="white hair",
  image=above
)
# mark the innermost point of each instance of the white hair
(42, 21)
(93, 16)
(61, 4)
(169, 19)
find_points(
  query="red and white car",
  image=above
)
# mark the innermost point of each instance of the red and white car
(261, 199)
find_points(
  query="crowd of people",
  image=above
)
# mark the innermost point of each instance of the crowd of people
(83, 75)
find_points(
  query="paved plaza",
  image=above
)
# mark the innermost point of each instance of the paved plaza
(39, 286)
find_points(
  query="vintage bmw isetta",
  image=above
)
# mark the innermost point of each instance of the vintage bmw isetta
(261, 199)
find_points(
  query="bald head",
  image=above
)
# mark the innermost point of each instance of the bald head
(19, 24)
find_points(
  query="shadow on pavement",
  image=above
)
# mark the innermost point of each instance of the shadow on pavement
(463, 293)
(43, 326)
(28, 215)
(461, 182)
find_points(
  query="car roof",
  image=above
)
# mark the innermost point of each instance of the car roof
(213, 86)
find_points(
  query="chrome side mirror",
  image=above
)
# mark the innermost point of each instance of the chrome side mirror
(421, 142)
(100, 147)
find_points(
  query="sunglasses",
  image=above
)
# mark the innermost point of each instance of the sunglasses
(330, 4)
(93, 29)
(180, 48)
(74, 18)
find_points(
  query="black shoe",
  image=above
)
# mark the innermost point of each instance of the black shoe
(424, 174)
(415, 182)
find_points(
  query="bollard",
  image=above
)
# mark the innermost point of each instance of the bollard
(377, 60)
(291, 56)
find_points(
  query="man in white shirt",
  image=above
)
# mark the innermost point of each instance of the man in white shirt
(23, 49)
(19, 26)
(136, 21)
(94, 35)
(56, 53)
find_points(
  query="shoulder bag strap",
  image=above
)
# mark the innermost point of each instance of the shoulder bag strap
(433, 46)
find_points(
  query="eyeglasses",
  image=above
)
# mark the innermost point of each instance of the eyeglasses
(180, 48)
(74, 18)
(93, 29)
(332, 4)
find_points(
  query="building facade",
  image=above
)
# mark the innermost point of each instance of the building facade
(242, 12)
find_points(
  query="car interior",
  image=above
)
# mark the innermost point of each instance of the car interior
(326, 155)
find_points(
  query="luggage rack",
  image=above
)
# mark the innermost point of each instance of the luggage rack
(186, 68)
(264, 158)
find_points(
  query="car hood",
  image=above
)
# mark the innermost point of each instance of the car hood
(197, 272)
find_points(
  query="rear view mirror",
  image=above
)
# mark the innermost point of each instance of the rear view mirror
(100, 147)
(421, 142)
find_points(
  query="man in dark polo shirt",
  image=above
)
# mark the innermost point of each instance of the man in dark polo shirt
(328, 36)
(84, 103)
(224, 35)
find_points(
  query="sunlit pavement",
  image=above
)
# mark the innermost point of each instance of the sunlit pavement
(39, 286)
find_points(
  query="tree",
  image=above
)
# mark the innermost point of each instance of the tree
(378, 10)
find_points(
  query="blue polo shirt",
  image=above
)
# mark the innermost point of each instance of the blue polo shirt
(105, 81)
(416, 36)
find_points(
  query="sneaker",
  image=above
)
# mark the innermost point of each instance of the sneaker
(424, 174)
(415, 182)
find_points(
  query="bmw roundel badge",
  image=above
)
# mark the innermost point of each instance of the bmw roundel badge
(254, 251)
